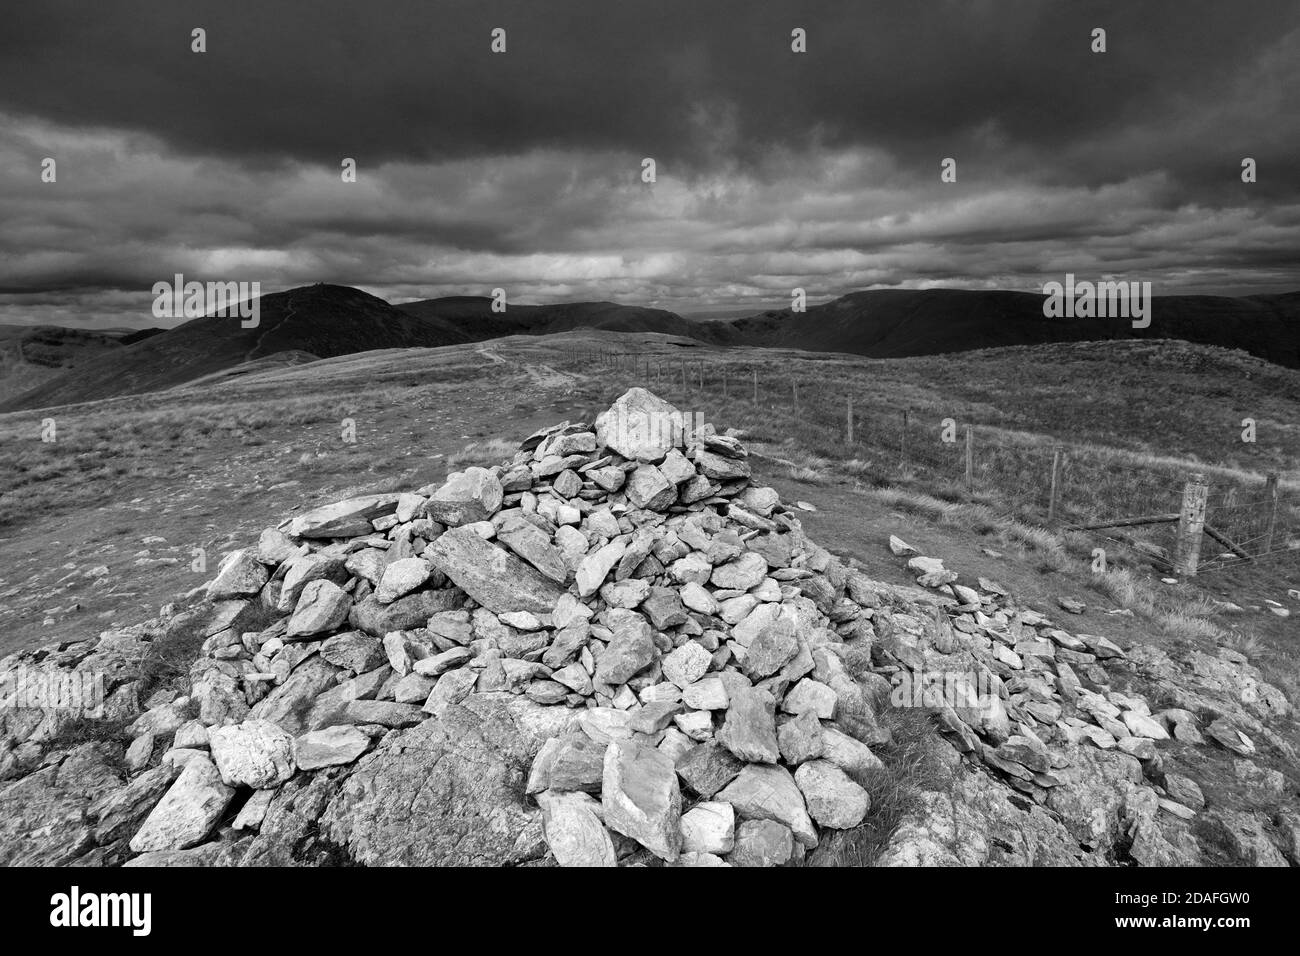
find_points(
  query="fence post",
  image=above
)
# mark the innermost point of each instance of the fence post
(902, 441)
(1053, 494)
(755, 384)
(848, 416)
(1191, 522)
(794, 392)
(724, 380)
(1270, 502)
(970, 461)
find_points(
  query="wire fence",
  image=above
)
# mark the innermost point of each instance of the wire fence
(1111, 494)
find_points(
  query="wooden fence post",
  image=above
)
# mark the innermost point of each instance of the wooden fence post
(1270, 502)
(848, 418)
(902, 441)
(1191, 522)
(1053, 495)
(755, 384)
(970, 461)
(794, 392)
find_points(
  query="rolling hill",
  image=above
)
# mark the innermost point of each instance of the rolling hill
(50, 366)
(894, 323)
(321, 320)
(31, 355)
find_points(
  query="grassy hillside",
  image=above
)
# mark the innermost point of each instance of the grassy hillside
(320, 320)
(31, 355)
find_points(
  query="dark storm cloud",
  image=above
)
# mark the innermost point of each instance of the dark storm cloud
(774, 169)
(683, 80)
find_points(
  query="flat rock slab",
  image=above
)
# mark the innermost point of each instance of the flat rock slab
(449, 791)
(641, 797)
(492, 576)
(187, 812)
(343, 519)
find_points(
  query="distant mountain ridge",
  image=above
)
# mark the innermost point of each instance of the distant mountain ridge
(324, 321)
(894, 323)
(474, 317)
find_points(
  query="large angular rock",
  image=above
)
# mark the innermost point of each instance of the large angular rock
(401, 577)
(256, 753)
(187, 812)
(641, 797)
(707, 768)
(769, 793)
(631, 650)
(239, 575)
(533, 545)
(329, 747)
(774, 647)
(354, 651)
(449, 791)
(404, 614)
(709, 828)
(833, 800)
(490, 575)
(303, 569)
(595, 567)
(745, 572)
(322, 607)
(572, 762)
(687, 664)
(289, 704)
(574, 831)
(467, 496)
(648, 488)
(762, 843)
(343, 519)
(749, 730)
(640, 425)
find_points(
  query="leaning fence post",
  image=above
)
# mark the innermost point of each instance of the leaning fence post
(1191, 522)
(1270, 502)
(970, 461)
(1053, 495)
(902, 441)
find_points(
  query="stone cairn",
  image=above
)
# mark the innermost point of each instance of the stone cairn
(629, 578)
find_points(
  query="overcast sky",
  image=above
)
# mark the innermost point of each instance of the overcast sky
(523, 169)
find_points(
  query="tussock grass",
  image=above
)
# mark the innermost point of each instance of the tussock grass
(910, 767)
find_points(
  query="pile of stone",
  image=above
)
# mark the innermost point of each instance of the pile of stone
(681, 674)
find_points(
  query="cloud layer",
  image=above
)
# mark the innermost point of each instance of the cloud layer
(775, 170)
